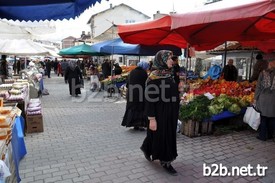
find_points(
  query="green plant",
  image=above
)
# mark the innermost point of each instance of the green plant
(196, 110)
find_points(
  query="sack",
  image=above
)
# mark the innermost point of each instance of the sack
(252, 118)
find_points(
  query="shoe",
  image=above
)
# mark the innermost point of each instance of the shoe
(258, 137)
(136, 128)
(141, 129)
(170, 169)
(146, 155)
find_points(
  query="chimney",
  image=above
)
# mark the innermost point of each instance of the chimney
(111, 5)
(82, 34)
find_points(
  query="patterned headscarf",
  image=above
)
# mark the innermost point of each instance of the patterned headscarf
(72, 64)
(161, 59)
(268, 81)
(160, 64)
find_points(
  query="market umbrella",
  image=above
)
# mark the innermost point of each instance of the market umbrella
(155, 32)
(21, 47)
(83, 49)
(43, 9)
(11, 30)
(265, 46)
(117, 46)
(246, 20)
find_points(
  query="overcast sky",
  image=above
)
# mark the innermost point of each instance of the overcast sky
(74, 27)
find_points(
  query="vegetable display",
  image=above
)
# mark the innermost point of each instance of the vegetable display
(196, 109)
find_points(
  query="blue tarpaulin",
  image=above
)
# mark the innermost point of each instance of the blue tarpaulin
(118, 47)
(43, 9)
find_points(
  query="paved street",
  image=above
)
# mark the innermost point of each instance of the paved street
(84, 142)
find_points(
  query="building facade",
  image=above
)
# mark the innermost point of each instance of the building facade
(103, 24)
(68, 42)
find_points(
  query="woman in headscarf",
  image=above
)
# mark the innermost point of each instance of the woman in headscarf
(73, 76)
(264, 94)
(162, 110)
(134, 115)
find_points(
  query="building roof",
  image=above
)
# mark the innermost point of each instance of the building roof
(122, 4)
(231, 46)
(70, 37)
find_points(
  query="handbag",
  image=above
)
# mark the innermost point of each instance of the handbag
(252, 117)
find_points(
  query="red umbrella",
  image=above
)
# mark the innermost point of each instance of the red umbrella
(246, 20)
(265, 46)
(155, 32)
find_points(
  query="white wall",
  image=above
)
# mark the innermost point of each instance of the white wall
(118, 15)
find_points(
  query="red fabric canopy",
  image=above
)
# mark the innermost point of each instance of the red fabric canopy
(265, 46)
(246, 20)
(156, 32)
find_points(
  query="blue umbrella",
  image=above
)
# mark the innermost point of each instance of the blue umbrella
(43, 9)
(117, 46)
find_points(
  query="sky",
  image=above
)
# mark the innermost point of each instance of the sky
(74, 27)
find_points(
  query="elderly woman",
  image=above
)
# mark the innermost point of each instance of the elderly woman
(73, 76)
(264, 94)
(134, 115)
(162, 110)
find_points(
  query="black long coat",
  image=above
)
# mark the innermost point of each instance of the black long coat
(162, 102)
(74, 77)
(134, 114)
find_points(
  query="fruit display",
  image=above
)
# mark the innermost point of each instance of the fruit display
(242, 90)
(127, 69)
(224, 96)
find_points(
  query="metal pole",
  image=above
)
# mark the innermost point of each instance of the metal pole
(225, 53)
(250, 67)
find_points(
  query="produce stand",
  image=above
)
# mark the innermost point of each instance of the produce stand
(209, 101)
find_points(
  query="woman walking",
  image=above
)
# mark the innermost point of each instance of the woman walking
(162, 109)
(73, 76)
(134, 115)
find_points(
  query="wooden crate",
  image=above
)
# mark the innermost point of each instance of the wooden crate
(34, 124)
(190, 128)
(206, 127)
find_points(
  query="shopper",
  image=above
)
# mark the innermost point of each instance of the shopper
(264, 98)
(176, 69)
(73, 76)
(230, 72)
(162, 109)
(4, 68)
(106, 68)
(134, 115)
(259, 66)
(117, 69)
(48, 68)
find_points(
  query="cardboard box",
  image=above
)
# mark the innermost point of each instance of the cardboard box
(34, 123)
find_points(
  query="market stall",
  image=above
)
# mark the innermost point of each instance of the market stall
(209, 101)
(12, 145)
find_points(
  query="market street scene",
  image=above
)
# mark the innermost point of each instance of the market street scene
(83, 141)
(128, 91)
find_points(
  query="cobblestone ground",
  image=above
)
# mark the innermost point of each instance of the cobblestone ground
(84, 142)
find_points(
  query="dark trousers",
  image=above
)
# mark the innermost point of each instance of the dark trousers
(49, 73)
(267, 128)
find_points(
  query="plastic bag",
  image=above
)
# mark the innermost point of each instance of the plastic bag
(4, 171)
(252, 118)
